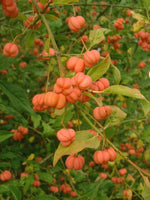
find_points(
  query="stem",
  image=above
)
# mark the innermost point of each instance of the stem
(55, 46)
(132, 120)
(38, 132)
(61, 71)
(21, 33)
(68, 176)
(63, 117)
(102, 13)
(84, 44)
(46, 158)
(107, 4)
(71, 46)
(49, 69)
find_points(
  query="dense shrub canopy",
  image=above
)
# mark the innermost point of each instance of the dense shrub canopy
(74, 99)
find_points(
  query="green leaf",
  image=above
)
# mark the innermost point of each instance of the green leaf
(29, 39)
(20, 17)
(129, 92)
(4, 135)
(50, 17)
(83, 140)
(11, 111)
(146, 135)
(98, 70)
(17, 96)
(45, 197)
(28, 184)
(7, 155)
(110, 132)
(140, 143)
(146, 193)
(47, 177)
(9, 187)
(43, 1)
(147, 155)
(5, 164)
(146, 4)
(47, 42)
(64, 1)
(145, 106)
(68, 115)
(95, 191)
(125, 91)
(47, 129)
(116, 117)
(15, 164)
(95, 37)
(15, 192)
(116, 73)
(36, 120)
(3, 189)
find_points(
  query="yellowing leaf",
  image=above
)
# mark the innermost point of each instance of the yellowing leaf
(59, 112)
(64, 59)
(140, 21)
(138, 25)
(130, 178)
(130, 51)
(95, 37)
(105, 47)
(140, 144)
(83, 140)
(62, 48)
(103, 19)
(129, 194)
(31, 139)
(136, 15)
(31, 156)
(146, 181)
(146, 192)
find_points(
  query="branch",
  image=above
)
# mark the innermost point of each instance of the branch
(52, 39)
